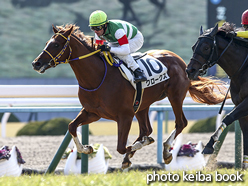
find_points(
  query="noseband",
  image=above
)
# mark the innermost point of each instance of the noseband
(210, 62)
(55, 59)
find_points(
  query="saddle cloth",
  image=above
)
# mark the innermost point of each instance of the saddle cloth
(155, 71)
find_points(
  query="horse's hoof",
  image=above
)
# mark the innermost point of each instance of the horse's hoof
(89, 149)
(166, 154)
(126, 164)
(167, 158)
(151, 140)
(208, 150)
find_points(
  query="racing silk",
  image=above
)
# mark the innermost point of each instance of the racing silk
(243, 34)
(117, 34)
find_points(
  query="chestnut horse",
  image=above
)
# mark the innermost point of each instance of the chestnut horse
(104, 93)
(220, 46)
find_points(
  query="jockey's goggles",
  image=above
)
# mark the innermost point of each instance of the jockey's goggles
(96, 28)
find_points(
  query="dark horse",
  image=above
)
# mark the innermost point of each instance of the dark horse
(220, 46)
(104, 93)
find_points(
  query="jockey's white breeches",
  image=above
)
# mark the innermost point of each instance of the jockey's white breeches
(134, 44)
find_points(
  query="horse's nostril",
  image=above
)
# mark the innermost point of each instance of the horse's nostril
(190, 70)
(36, 64)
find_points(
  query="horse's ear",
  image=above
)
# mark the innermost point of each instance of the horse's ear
(201, 31)
(68, 32)
(55, 29)
(214, 31)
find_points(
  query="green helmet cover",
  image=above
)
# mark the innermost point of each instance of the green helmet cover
(98, 18)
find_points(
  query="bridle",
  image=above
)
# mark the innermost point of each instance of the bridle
(56, 58)
(214, 50)
(56, 62)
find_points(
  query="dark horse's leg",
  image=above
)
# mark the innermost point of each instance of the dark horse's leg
(238, 112)
(244, 127)
(143, 139)
(82, 118)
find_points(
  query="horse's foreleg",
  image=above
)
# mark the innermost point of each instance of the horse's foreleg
(146, 140)
(209, 149)
(238, 112)
(132, 149)
(124, 125)
(126, 161)
(82, 118)
(142, 140)
(243, 122)
(86, 149)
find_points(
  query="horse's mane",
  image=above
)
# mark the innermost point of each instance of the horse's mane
(227, 31)
(227, 27)
(84, 39)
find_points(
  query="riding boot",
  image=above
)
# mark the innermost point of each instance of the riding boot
(139, 75)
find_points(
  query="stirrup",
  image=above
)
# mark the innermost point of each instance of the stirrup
(140, 78)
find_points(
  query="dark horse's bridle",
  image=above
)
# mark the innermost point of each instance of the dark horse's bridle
(210, 62)
(214, 52)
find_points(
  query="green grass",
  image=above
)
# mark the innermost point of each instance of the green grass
(25, 31)
(132, 178)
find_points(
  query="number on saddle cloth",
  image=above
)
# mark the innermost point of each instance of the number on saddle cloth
(154, 70)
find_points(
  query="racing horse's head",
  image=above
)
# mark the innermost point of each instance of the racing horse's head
(204, 54)
(56, 51)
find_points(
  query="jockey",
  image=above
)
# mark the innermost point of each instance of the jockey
(123, 39)
(244, 22)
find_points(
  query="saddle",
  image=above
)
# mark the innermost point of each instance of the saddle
(155, 71)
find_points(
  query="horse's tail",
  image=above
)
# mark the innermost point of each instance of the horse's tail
(208, 91)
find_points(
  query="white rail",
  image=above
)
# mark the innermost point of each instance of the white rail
(30, 91)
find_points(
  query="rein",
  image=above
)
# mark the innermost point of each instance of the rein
(105, 73)
(54, 59)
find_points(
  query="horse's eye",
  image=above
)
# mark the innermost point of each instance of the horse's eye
(206, 48)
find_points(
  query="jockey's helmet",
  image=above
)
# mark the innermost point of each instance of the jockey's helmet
(98, 18)
(244, 18)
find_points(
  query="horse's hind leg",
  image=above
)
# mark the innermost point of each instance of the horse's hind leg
(82, 118)
(142, 140)
(176, 98)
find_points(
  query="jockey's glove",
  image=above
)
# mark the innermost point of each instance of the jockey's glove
(105, 48)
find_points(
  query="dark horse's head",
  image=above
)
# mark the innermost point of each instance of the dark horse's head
(56, 51)
(206, 50)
